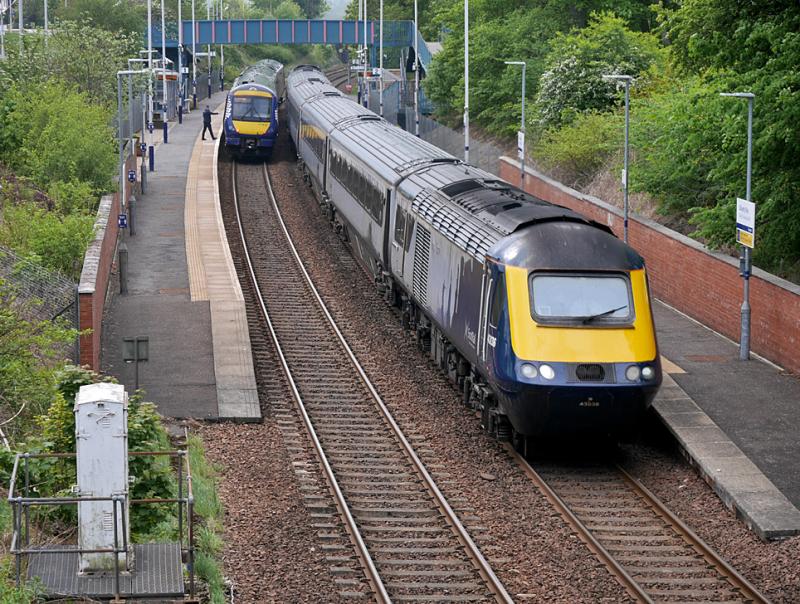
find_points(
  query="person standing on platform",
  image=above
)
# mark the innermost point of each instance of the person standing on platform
(207, 113)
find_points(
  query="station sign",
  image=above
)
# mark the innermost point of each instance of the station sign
(745, 223)
(122, 221)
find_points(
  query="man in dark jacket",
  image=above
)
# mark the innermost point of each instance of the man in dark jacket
(207, 113)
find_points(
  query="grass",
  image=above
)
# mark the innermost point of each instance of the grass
(208, 508)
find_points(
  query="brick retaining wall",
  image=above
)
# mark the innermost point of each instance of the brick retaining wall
(683, 273)
(95, 275)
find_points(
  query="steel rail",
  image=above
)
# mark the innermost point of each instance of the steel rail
(628, 583)
(476, 557)
(481, 564)
(367, 563)
(747, 589)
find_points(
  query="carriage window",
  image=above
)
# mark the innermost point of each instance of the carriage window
(570, 298)
(498, 301)
(400, 225)
(409, 232)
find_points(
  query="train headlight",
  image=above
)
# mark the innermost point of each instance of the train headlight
(648, 373)
(529, 371)
(547, 372)
(633, 373)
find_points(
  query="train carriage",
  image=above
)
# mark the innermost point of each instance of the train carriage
(250, 123)
(539, 314)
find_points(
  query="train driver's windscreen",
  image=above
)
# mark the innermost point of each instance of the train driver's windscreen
(251, 108)
(582, 299)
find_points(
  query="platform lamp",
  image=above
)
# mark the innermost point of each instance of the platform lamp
(416, 69)
(626, 80)
(521, 137)
(194, 59)
(744, 341)
(2, 30)
(380, 61)
(466, 81)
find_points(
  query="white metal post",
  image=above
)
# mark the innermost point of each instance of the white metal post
(360, 50)
(522, 126)
(416, 69)
(626, 80)
(20, 25)
(366, 60)
(180, 57)
(150, 78)
(46, 25)
(2, 30)
(208, 48)
(164, 71)
(380, 63)
(221, 56)
(466, 81)
(194, 59)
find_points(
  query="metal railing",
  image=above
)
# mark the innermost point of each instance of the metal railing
(22, 504)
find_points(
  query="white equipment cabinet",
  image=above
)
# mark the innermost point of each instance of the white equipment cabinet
(101, 430)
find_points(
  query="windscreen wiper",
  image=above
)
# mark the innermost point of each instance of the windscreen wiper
(590, 318)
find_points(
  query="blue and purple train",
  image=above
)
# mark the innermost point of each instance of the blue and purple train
(250, 124)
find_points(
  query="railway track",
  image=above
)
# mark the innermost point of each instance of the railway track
(408, 540)
(338, 75)
(653, 554)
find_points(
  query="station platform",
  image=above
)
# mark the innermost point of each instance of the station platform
(183, 291)
(736, 421)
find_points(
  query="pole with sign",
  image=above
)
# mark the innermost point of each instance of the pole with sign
(746, 219)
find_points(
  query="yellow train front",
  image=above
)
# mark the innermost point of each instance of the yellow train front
(570, 343)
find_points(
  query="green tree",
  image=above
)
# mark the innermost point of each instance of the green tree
(572, 81)
(110, 15)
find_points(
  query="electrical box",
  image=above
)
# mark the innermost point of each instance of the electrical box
(101, 437)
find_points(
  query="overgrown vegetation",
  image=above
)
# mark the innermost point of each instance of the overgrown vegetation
(688, 144)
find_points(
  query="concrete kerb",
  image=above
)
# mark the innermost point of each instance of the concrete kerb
(213, 277)
(737, 481)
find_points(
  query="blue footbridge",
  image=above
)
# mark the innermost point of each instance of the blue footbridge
(300, 31)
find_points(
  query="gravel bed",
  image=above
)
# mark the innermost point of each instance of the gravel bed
(773, 568)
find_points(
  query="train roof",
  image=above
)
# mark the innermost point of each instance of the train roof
(264, 73)
(480, 213)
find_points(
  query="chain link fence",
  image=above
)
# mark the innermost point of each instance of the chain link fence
(40, 294)
(398, 108)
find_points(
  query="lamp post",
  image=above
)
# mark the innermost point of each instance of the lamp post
(180, 62)
(208, 48)
(2, 30)
(380, 62)
(625, 79)
(416, 69)
(194, 59)
(164, 72)
(151, 148)
(366, 60)
(744, 341)
(466, 81)
(521, 137)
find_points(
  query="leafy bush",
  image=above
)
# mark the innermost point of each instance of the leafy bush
(572, 80)
(54, 134)
(578, 149)
(57, 242)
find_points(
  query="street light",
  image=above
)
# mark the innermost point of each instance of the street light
(380, 62)
(194, 59)
(744, 341)
(521, 137)
(627, 80)
(466, 81)
(164, 72)
(416, 69)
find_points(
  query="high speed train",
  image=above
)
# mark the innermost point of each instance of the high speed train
(250, 124)
(541, 316)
